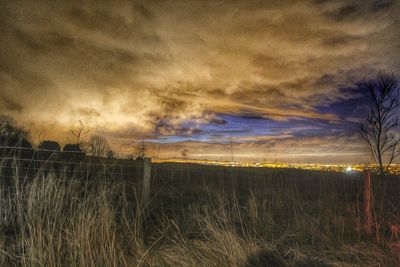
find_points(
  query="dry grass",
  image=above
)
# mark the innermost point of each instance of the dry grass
(56, 220)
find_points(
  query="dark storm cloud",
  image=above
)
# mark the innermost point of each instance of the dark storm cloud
(382, 5)
(344, 12)
(63, 56)
(266, 94)
(348, 10)
(170, 68)
(341, 40)
(218, 121)
(8, 103)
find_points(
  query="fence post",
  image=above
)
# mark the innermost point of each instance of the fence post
(367, 203)
(146, 181)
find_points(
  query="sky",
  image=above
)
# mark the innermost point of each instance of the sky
(249, 80)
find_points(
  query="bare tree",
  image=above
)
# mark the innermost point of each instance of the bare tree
(98, 146)
(379, 130)
(141, 149)
(111, 154)
(79, 132)
(10, 133)
(41, 137)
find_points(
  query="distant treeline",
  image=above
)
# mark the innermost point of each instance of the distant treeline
(20, 158)
(14, 141)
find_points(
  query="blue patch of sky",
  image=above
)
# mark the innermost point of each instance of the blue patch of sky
(354, 107)
(237, 127)
(247, 125)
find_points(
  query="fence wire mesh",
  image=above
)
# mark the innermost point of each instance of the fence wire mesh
(171, 180)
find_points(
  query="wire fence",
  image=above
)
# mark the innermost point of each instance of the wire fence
(169, 179)
(175, 187)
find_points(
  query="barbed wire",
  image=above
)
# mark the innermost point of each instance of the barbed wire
(163, 175)
(170, 171)
(120, 155)
(133, 163)
(39, 149)
(123, 157)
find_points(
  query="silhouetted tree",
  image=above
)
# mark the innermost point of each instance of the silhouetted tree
(41, 137)
(110, 154)
(141, 149)
(49, 145)
(47, 149)
(73, 152)
(79, 132)
(13, 145)
(72, 148)
(12, 135)
(97, 146)
(131, 156)
(380, 131)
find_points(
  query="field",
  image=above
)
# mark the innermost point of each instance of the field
(197, 216)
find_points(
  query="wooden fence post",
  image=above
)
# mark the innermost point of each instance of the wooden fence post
(146, 181)
(367, 203)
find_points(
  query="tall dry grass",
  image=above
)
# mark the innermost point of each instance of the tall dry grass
(56, 220)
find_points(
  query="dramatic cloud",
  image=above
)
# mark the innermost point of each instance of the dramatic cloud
(191, 74)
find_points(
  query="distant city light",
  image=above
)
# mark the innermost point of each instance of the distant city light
(395, 169)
